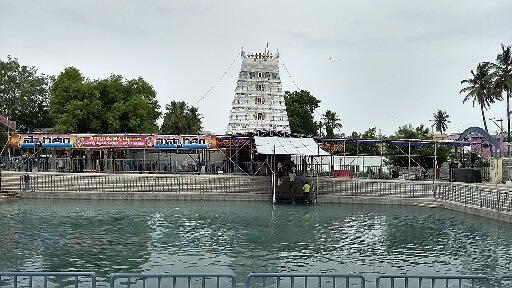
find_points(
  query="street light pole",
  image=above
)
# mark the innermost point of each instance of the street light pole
(432, 126)
(494, 120)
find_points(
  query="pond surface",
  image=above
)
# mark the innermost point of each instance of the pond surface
(243, 237)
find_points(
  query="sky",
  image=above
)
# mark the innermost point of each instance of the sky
(375, 63)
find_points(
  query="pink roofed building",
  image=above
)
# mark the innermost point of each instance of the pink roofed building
(480, 146)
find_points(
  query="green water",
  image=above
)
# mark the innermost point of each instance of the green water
(165, 236)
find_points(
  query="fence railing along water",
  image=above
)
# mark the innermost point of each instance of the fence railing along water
(204, 184)
(496, 199)
(145, 183)
(432, 281)
(504, 281)
(253, 280)
(185, 280)
(304, 280)
(47, 279)
(484, 197)
(375, 188)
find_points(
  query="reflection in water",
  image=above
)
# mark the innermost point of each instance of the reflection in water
(165, 236)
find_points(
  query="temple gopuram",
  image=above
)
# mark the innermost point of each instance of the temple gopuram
(258, 106)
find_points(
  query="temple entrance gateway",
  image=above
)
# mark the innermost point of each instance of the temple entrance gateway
(258, 104)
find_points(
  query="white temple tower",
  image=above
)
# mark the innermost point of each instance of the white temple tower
(259, 98)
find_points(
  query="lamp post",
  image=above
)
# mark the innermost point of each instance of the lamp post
(432, 126)
(494, 120)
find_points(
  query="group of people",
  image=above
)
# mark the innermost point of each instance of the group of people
(280, 172)
(292, 174)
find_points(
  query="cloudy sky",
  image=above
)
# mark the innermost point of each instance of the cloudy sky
(376, 63)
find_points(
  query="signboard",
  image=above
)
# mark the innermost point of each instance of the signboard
(41, 140)
(106, 141)
(184, 142)
(9, 124)
(228, 141)
(112, 141)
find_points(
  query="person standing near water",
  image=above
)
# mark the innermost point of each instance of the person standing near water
(306, 189)
(292, 174)
(280, 176)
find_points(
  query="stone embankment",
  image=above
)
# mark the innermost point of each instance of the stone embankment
(493, 201)
(136, 186)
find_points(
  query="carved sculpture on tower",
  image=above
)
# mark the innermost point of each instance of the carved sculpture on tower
(258, 106)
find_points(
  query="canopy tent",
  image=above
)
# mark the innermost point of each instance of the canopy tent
(398, 142)
(288, 146)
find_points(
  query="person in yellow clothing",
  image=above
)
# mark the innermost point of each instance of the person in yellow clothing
(306, 189)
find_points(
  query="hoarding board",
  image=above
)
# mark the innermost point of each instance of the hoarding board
(112, 141)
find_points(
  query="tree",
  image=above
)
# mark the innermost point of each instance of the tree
(181, 119)
(141, 109)
(479, 89)
(423, 155)
(364, 149)
(74, 105)
(502, 74)
(300, 106)
(331, 122)
(24, 95)
(440, 120)
(112, 105)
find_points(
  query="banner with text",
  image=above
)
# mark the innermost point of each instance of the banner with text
(41, 140)
(112, 141)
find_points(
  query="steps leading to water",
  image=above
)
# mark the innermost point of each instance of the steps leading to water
(429, 204)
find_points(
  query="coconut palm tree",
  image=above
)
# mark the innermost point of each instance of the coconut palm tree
(331, 122)
(441, 120)
(502, 75)
(479, 89)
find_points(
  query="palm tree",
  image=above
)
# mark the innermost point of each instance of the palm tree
(479, 89)
(502, 74)
(440, 120)
(331, 122)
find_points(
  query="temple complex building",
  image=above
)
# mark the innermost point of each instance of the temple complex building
(258, 106)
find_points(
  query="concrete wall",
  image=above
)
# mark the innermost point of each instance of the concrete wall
(492, 201)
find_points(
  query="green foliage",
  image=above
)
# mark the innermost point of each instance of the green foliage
(364, 149)
(441, 120)
(112, 105)
(423, 155)
(480, 89)
(331, 122)
(181, 119)
(502, 76)
(24, 95)
(300, 106)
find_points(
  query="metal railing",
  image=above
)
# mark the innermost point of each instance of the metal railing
(173, 280)
(143, 183)
(207, 184)
(502, 279)
(433, 281)
(43, 279)
(372, 188)
(253, 280)
(304, 280)
(473, 195)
